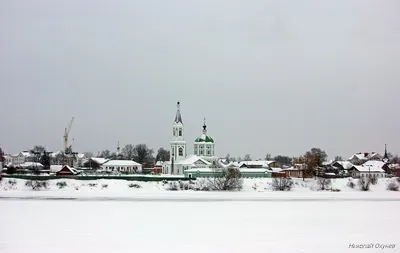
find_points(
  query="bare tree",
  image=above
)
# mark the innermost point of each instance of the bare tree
(226, 179)
(338, 158)
(143, 155)
(282, 184)
(324, 183)
(364, 183)
(105, 154)
(128, 151)
(162, 155)
(88, 154)
(268, 157)
(285, 160)
(247, 157)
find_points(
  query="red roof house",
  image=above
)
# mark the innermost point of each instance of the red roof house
(66, 171)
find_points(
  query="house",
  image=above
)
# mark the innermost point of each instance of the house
(22, 157)
(66, 171)
(79, 159)
(358, 171)
(295, 171)
(341, 167)
(360, 158)
(378, 164)
(122, 166)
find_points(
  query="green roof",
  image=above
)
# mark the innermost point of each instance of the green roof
(205, 138)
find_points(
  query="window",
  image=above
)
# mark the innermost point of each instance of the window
(208, 152)
(180, 151)
(180, 131)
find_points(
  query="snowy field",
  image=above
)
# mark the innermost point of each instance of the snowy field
(65, 226)
(115, 216)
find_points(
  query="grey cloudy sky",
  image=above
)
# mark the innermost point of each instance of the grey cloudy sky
(274, 77)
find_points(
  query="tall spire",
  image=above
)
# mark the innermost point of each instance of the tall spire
(385, 157)
(204, 126)
(178, 117)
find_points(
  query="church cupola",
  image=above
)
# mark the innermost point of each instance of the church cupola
(204, 145)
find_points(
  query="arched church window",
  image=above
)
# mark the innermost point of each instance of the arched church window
(180, 131)
(180, 151)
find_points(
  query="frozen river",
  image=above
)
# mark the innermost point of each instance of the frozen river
(40, 226)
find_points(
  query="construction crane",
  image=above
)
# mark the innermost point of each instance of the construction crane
(66, 134)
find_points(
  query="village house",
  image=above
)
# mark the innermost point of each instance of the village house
(66, 171)
(295, 171)
(122, 166)
(369, 169)
(360, 158)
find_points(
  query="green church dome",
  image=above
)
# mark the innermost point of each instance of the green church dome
(204, 138)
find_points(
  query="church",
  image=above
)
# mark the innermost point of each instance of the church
(179, 162)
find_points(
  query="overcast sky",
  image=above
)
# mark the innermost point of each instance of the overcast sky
(275, 77)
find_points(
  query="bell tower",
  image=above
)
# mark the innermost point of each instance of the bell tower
(178, 143)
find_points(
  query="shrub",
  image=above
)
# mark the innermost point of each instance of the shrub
(104, 186)
(364, 183)
(282, 184)
(335, 190)
(323, 183)
(373, 180)
(226, 180)
(62, 184)
(393, 186)
(134, 186)
(173, 186)
(92, 185)
(77, 188)
(12, 182)
(37, 184)
(255, 186)
(351, 183)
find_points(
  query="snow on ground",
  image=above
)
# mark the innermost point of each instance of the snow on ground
(65, 226)
(253, 189)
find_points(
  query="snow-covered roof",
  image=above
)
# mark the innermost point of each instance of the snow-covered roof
(99, 160)
(121, 163)
(364, 156)
(72, 170)
(246, 170)
(159, 163)
(80, 156)
(374, 163)
(191, 159)
(26, 153)
(362, 168)
(31, 164)
(273, 169)
(345, 164)
(292, 168)
(262, 163)
(55, 168)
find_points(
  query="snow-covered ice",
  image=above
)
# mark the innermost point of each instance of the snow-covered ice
(58, 226)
